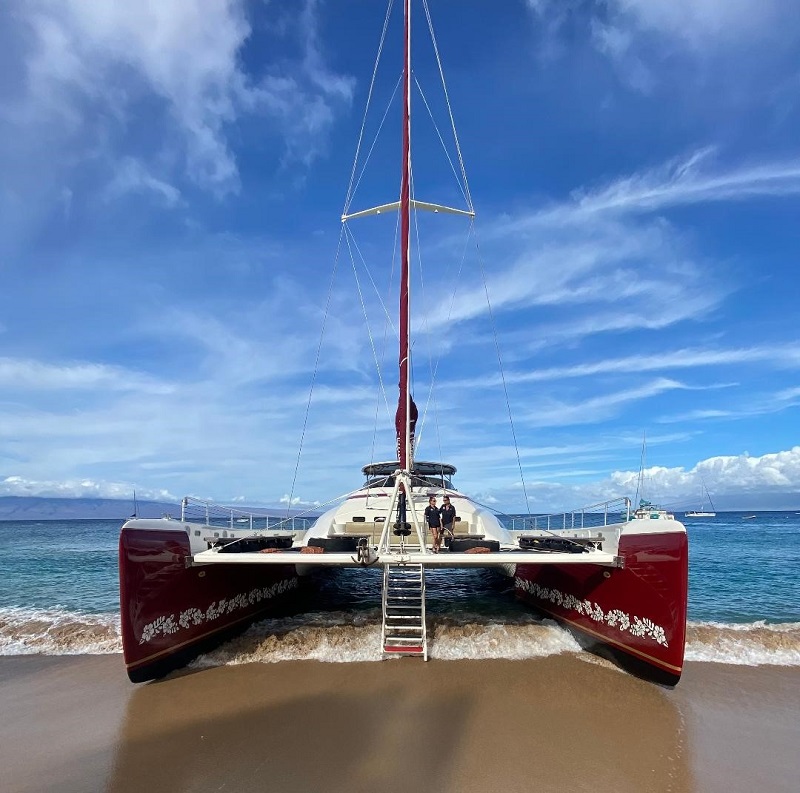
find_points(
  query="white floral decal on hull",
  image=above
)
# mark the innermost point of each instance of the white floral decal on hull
(167, 625)
(636, 626)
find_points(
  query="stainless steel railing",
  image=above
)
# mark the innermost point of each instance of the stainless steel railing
(592, 516)
(194, 510)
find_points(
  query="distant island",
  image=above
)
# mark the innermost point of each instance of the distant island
(39, 508)
(42, 508)
(36, 508)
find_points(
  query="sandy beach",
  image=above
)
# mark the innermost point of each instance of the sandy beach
(558, 723)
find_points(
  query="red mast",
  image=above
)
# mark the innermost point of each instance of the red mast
(404, 418)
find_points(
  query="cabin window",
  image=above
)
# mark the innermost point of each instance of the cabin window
(196, 533)
(359, 519)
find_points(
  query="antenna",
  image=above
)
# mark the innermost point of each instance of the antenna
(642, 463)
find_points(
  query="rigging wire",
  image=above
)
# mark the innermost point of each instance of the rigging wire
(316, 369)
(350, 187)
(374, 142)
(431, 389)
(447, 101)
(366, 320)
(502, 372)
(386, 326)
(441, 140)
(372, 281)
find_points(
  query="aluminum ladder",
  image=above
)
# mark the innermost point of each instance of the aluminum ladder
(403, 631)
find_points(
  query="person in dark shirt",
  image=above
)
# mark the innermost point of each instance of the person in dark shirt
(434, 522)
(448, 516)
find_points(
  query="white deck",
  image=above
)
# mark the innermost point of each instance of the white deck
(443, 559)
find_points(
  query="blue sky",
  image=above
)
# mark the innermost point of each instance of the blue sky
(169, 222)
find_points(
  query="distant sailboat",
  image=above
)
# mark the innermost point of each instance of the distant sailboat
(703, 513)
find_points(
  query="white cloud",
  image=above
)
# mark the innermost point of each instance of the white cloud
(550, 412)
(684, 181)
(735, 482)
(133, 176)
(696, 22)
(645, 39)
(102, 58)
(605, 246)
(27, 374)
(78, 488)
(779, 356)
(691, 23)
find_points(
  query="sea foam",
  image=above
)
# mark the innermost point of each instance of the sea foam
(750, 644)
(348, 636)
(55, 631)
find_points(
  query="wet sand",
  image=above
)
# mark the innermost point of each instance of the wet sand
(562, 723)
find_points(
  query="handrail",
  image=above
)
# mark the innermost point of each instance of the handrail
(588, 517)
(195, 510)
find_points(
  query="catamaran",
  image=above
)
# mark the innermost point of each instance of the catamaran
(614, 574)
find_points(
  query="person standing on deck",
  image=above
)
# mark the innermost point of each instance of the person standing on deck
(448, 515)
(434, 522)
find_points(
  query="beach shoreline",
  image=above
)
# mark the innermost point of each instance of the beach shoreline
(565, 722)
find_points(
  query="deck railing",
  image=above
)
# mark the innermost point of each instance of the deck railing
(193, 510)
(589, 517)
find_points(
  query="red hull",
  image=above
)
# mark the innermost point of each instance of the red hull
(171, 612)
(638, 612)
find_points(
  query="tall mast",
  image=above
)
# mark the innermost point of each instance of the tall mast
(404, 416)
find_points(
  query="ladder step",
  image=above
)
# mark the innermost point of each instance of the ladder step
(403, 641)
(404, 630)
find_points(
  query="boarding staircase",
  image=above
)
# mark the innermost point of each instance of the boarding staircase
(403, 631)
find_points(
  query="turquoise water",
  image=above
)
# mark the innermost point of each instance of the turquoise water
(59, 593)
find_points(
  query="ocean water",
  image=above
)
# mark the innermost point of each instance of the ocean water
(59, 595)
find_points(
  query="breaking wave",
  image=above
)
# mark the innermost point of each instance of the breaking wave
(25, 631)
(750, 644)
(348, 636)
(342, 637)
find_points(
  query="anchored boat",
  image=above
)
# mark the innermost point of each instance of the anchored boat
(615, 575)
(704, 511)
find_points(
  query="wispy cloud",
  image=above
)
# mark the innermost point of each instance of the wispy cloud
(683, 181)
(132, 176)
(779, 356)
(18, 374)
(550, 412)
(603, 246)
(644, 40)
